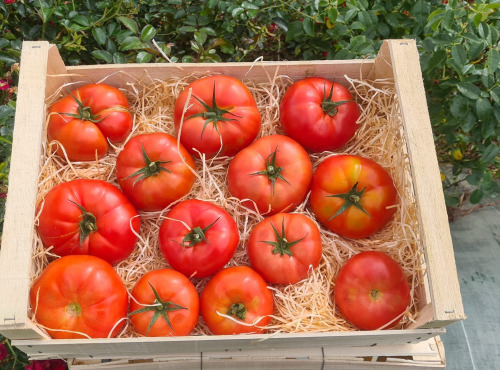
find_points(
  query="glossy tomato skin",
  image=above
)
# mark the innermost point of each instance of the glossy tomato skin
(172, 287)
(372, 291)
(239, 127)
(246, 178)
(286, 261)
(79, 294)
(304, 119)
(171, 179)
(238, 286)
(116, 221)
(216, 244)
(338, 174)
(85, 139)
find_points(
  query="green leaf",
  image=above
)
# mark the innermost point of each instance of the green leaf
(4, 43)
(437, 60)
(200, 37)
(99, 35)
(237, 11)
(495, 94)
(227, 47)
(490, 153)
(129, 23)
(459, 106)
(332, 14)
(81, 20)
(8, 58)
(102, 55)
(452, 200)
(281, 23)
(476, 196)
(186, 29)
(469, 90)
(442, 39)
(208, 30)
(420, 11)
(295, 29)
(383, 29)
(147, 33)
(493, 61)
(475, 48)
(119, 58)
(212, 3)
(143, 57)
(131, 43)
(458, 55)
(249, 5)
(308, 26)
(484, 109)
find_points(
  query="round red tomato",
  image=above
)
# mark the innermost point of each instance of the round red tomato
(371, 290)
(153, 171)
(88, 217)
(81, 294)
(274, 173)
(353, 196)
(87, 118)
(284, 247)
(320, 114)
(242, 294)
(223, 117)
(164, 303)
(208, 244)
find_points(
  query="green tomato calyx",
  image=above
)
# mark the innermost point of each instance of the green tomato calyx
(197, 235)
(237, 310)
(272, 171)
(282, 245)
(160, 308)
(87, 225)
(330, 106)
(152, 168)
(352, 198)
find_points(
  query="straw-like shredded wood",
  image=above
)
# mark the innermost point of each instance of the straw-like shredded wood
(308, 305)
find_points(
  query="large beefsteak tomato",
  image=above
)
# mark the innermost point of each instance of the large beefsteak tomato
(353, 196)
(284, 247)
(208, 244)
(371, 290)
(240, 293)
(86, 216)
(274, 173)
(79, 294)
(320, 114)
(84, 120)
(153, 171)
(222, 117)
(164, 303)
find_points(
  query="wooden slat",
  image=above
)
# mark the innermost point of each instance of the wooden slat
(154, 347)
(433, 218)
(17, 239)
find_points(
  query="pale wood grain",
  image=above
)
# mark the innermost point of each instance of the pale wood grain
(433, 218)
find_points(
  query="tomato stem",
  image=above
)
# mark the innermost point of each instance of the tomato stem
(272, 171)
(152, 168)
(330, 106)
(375, 294)
(352, 198)
(237, 310)
(74, 309)
(213, 113)
(197, 235)
(160, 308)
(84, 112)
(282, 245)
(87, 225)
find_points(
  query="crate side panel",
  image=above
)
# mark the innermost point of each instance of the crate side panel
(441, 267)
(17, 239)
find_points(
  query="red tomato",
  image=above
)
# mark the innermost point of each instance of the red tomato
(87, 118)
(207, 246)
(223, 112)
(238, 292)
(88, 217)
(164, 303)
(371, 290)
(282, 248)
(318, 113)
(153, 172)
(353, 196)
(274, 172)
(80, 294)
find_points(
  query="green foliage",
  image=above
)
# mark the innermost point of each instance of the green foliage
(458, 43)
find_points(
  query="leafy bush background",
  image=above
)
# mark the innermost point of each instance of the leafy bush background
(458, 42)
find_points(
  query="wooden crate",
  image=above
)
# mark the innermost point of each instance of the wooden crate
(43, 72)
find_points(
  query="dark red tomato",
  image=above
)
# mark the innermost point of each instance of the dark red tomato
(240, 293)
(283, 248)
(320, 114)
(88, 217)
(372, 291)
(353, 196)
(83, 121)
(223, 117)
(273, 174)
(153, 171)
(208, 244)
(79, 294)
(164, 303)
